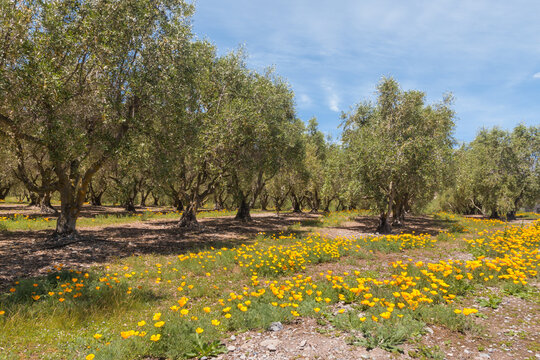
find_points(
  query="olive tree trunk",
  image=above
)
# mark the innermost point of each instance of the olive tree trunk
(243, 213)
(297, 206)
(264, 199)
(144, 196)
(4, 190)
(95, 198)
(511, 215)
(70, 209)
(155, 199)
(384, 226)
(178, 205)
(188, 220)
(45, 205)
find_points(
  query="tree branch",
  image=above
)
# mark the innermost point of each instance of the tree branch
(17, 132)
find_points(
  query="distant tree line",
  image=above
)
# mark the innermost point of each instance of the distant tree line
(117, 100)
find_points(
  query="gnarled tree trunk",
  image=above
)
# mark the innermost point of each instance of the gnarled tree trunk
(129, 201)
(45, 205)
(511, 215)
(315, 202)
(4, 190)
(156, 199)
(188, 220)
(243, 211)
(129, 205)
(70, 208)
(398, 215)
(297, 206)
(178, 205)
(144, 196)
(264, 198)
(326, 204)
(34, 199)
(95, 198)
(219, 202)
(65, 225)
(42, 201)
(384, 226)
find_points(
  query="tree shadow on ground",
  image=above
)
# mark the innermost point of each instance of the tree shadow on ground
(24, 253)
(416, 224)
(88, 211)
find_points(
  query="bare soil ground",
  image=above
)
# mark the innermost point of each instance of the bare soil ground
(509, 332)
(10, 209)
(26, 253)
(363, 225)
(304, 339)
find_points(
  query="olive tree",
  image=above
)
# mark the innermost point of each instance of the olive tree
(316, 157)
(75, 76)
(397, 145)
(7, 178)
(189, 144)
(498, 171)
(257, 139)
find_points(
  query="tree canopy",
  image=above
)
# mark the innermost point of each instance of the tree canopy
(398, 146)
(118, 100)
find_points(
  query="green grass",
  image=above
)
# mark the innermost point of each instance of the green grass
(387, 336)
(527, 216)
(457, 224)
(426, 352)
(116, 297)
(20, 222)
(11, 200)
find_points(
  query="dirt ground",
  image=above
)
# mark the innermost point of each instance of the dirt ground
(507, 335)
(26, 253)
(9, 209)
(510, 332)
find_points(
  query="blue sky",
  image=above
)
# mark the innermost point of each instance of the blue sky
(333, 53)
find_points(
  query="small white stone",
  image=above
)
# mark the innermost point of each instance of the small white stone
(276, 326)
(270, 344)
(482, 356)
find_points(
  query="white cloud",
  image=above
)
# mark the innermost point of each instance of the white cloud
(332, 97)
(333, 53)
(333, 102)
(304, 100)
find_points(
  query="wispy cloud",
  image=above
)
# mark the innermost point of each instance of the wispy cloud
(333, 102)
(482, 51)
(304, 100)
(332, 98)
